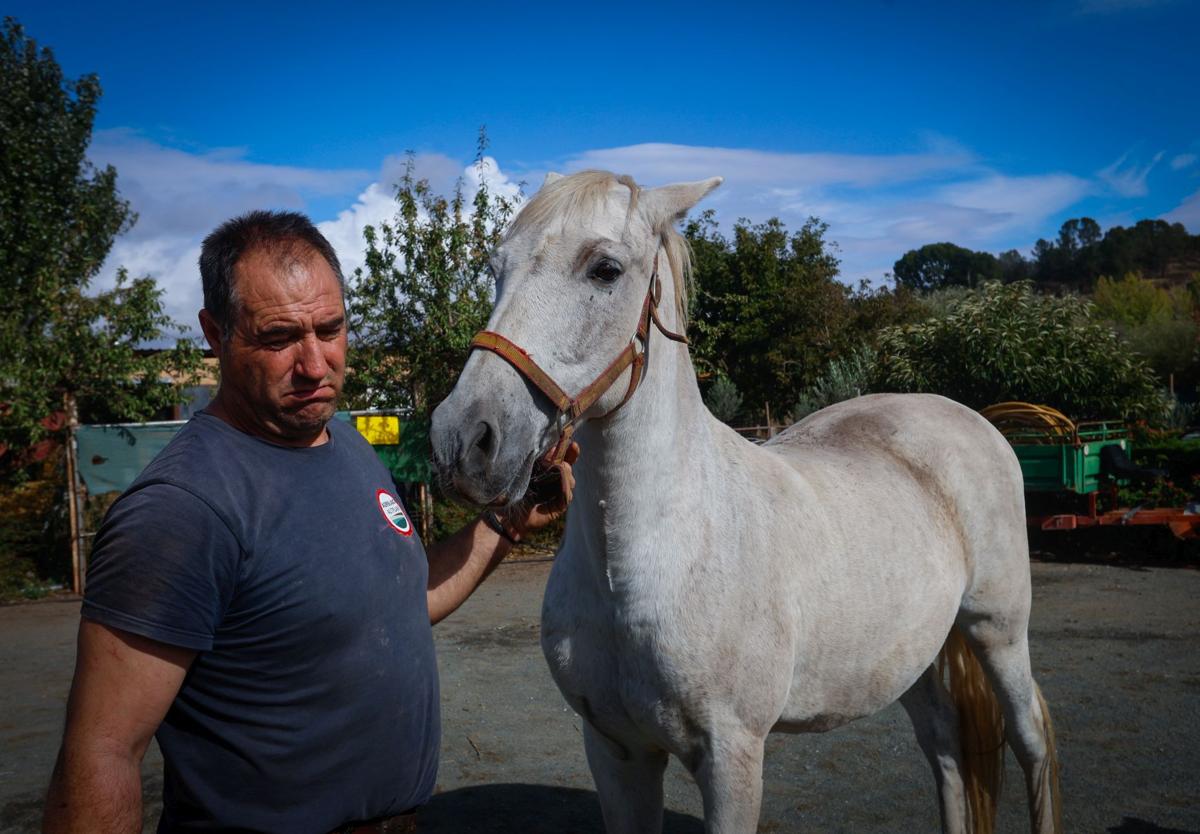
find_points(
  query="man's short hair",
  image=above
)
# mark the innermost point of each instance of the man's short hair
(282, 233)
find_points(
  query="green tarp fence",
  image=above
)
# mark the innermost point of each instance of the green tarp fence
(112, 455)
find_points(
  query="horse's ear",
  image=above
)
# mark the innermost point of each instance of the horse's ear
(551, 177)
(671, 202)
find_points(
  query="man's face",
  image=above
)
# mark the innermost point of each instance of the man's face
(285, 361)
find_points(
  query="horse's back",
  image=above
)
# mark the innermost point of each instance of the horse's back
(920, 449)
(919, 441)
(925, 428)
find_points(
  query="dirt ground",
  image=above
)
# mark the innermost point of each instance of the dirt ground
(1116, 650)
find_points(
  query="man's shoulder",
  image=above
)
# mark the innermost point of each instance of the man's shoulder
(204, 460)
(187, 454)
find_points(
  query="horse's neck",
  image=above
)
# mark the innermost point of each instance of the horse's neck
(636, 462)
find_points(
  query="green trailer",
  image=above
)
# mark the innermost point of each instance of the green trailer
(1052, 462)
(1058, 456)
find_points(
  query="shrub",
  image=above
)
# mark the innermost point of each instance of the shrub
(1181, 458)
(843, 379)
(723, 399)
(32, 537)
(1007, 342)
(1157, 323)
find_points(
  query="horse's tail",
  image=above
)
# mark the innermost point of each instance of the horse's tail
(981, 730)
(1055, 797)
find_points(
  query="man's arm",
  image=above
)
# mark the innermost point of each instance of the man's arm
(458, 564)
(124, 684)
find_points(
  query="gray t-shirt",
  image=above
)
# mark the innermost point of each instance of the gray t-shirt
(297, 576)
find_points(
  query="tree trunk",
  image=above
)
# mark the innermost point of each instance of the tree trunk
(78, 569)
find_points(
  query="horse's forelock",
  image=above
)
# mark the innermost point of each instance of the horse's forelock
(572, 199)
(575, 198)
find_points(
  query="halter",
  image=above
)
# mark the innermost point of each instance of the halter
(570, 409)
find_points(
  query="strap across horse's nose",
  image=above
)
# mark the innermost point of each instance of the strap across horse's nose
(516, 356)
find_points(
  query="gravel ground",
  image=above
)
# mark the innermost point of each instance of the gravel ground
(1116, 650)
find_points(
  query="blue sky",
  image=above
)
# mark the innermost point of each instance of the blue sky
(899, 124)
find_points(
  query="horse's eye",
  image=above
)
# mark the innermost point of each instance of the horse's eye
(606, 270)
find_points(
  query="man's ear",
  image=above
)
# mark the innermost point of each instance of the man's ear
(212, 332)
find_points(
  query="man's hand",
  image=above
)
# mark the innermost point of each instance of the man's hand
(550, 491)
(458, 564)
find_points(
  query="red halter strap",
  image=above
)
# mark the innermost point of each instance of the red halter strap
(570, 409)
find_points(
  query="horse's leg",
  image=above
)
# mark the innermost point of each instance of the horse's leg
(1028, 731)
(629, 782)
(935, 720)
(729, 774)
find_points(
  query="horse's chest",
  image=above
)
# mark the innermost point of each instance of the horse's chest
(609, 667)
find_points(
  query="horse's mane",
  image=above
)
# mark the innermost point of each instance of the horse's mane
(574, 199)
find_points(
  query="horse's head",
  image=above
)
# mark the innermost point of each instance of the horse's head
(572, 277)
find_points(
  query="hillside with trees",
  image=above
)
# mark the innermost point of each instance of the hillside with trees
(1074, 261)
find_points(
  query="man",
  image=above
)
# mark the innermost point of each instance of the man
(258, 598)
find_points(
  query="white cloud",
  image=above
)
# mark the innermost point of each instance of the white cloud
(1183, 160)
(181, 196)
(1129, 180)
(988, 212)
(171, 260)
(672, 163)
(1015, 202)
(345, 232)
(877, 206)
(377, 204)
(1187, 213)
(177, 192)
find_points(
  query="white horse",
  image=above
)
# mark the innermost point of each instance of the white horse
(709, 591)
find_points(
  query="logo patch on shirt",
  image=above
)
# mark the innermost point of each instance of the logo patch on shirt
(394, 513)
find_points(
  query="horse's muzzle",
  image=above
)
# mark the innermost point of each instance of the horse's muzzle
(477, 460)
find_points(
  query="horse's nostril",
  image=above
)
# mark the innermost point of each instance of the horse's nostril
(485, 439)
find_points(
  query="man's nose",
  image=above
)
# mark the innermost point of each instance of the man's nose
(310, 360)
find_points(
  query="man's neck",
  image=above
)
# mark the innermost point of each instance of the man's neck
(233, 416)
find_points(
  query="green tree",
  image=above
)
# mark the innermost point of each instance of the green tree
(1014, 267)
(1078, 234)
(938, 265)
(1149, 247)
(769, 312)
(1159, 324)
(61, 345)
(1073, 260)
(1080, 254)
(1132, 300)
(425, 291)
(723, 399)
(1007, 342)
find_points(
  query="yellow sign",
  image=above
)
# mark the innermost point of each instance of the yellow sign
(379, 429)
